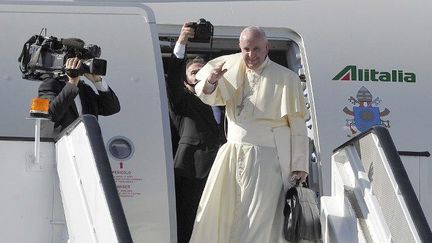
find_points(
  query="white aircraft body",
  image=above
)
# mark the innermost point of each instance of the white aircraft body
(362, 63)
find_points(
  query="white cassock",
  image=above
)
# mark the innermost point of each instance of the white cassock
(244, 196)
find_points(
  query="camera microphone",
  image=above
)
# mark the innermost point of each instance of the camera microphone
(73, 42)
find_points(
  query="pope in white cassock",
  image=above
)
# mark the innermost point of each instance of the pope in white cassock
(267, 145)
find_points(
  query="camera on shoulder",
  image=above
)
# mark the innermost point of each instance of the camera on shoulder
(203, 31)
(44, 57)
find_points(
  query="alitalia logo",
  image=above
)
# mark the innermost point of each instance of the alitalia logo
(352, 73)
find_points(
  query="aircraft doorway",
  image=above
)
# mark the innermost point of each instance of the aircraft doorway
(286, 49)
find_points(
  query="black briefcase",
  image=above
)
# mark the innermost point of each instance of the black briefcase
(302, 216)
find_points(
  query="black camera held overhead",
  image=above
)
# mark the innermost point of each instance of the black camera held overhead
(203, 31)
(44, 57)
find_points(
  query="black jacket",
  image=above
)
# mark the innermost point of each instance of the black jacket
(199, 134)
(62, 108)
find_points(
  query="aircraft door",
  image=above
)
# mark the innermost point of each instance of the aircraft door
(137, 138)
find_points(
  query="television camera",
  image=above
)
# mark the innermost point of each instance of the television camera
(44, 57)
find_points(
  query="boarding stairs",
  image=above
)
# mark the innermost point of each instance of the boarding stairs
(372, 199)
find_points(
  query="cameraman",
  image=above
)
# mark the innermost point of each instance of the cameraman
(199, 128)
(70, 97)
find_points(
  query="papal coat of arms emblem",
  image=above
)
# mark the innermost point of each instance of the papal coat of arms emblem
(365, 112)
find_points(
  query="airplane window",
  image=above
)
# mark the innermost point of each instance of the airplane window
(120, 148)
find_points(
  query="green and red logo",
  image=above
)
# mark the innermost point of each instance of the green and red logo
(352, 73)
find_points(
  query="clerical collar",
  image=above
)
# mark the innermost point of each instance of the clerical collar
(261, 67)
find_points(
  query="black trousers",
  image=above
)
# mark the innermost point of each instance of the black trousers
(188, 195)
